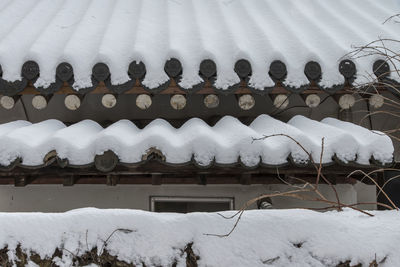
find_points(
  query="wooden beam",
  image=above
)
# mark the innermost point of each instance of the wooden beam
(39, 102)
(109, 100)
(21, 181)
(172, 178)
(155, 166)
(72, 102)
(246, 101)
(312, 100)
(178, 101)
(112, 180)
(69, 180)
(211, 101)
(280, 101)
(156, 179)
(7, 102)
(331, 178)
(143, 101)
(202, 179)
(174, 89)
(245, 179)
(156, 172)
(376, 101)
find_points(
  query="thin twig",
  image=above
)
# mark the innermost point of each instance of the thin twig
(376, 184)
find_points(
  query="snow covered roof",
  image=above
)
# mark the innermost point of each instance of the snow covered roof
(227, 142)
(245, 39)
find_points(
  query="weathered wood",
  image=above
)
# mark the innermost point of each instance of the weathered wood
(331, 178)
(186, 174)
(376, 101)
(345, 115)
(246, 102)
(39, 102)
(242, 91)
(72, 102)
(346, 101)
(312, 100)
(169, 178)
(173, 89)
(280, 101)
(202, 179)
(143, 101)
(156, 166)
(112, 180)
(21, 181)
(7, 102)
(178, 102)
(245, 179)
(109, 100)
(211, 101)
(156, 179)
(70, 180)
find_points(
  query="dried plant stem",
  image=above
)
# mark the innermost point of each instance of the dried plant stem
(366, 175)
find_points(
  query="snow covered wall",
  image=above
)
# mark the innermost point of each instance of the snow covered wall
(84, 32)
(262, 238)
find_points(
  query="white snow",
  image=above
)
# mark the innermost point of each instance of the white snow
(262, 237)
(84, 32)
(367, 144)
(225, 142)
(348, 141)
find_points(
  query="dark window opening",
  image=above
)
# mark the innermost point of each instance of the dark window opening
(188, 204)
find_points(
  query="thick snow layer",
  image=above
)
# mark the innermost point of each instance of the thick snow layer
(367, 144)
(224, 143)
(84, 32)
(262, 237)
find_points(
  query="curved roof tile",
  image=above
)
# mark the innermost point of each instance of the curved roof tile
(227, 142)
(84, 33)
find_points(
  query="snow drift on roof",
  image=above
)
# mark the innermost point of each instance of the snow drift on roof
(84, 32)
(228, 142)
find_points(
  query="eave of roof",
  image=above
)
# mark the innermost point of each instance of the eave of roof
(229, 143)
(155, 172)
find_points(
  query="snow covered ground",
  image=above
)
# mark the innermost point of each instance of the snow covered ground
(262, 238)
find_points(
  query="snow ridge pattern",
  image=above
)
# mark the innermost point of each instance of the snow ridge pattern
(84, 32)
(227, 142)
